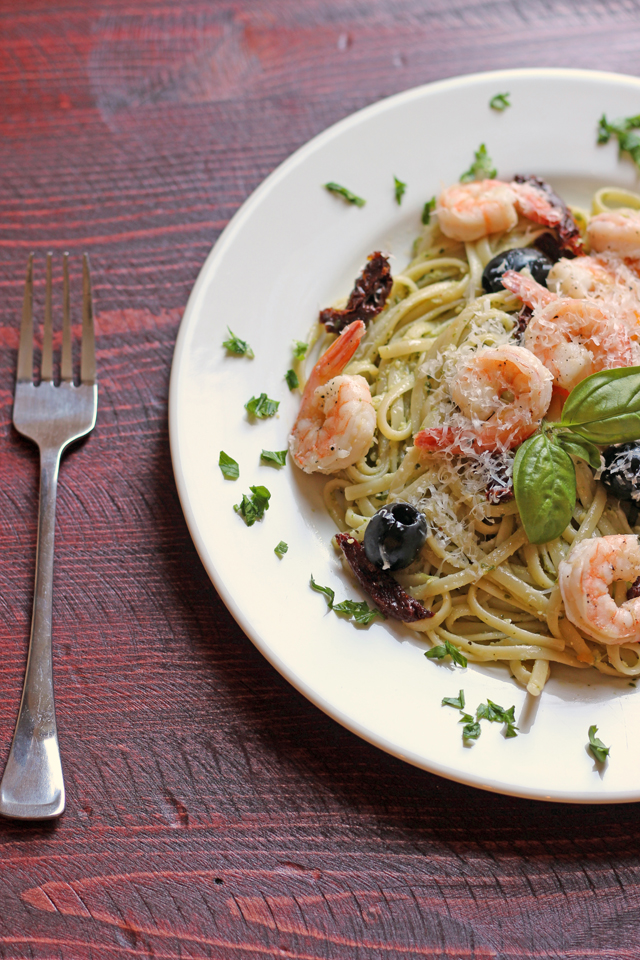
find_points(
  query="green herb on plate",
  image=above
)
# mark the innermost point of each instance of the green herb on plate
(229, 467)
(277, 457)
(240, 348)
(345, 194)
(281, 549)
(262, 407)
(292, 379)
(253, 508)
(482, 167)
(500, 102)
(399, 190)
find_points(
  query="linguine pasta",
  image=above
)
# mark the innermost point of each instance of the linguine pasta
(494, 595)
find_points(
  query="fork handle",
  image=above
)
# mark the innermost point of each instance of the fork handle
(32, 787)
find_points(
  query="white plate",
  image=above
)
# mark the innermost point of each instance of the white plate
(292, 249)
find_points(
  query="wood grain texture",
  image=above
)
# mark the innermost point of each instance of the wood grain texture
(212, 811)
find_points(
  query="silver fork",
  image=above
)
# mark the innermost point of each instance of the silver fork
(32, 786)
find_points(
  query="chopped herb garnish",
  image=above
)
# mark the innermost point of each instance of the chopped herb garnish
(359, 612)
(327, 591)
(494, 713)
(596, 746)
(281, 549)
(262, 406)
(444, 650)
(229, 466)
(427, 210)
(300, 349)
(482, 167)
(253, 508)
(292, 379)
(237, 346)
(400, 188)
(623, 129)
(471, 729)
(278, 457)
(345, 194)
(511, 731)
(500, 102)
(457, 702)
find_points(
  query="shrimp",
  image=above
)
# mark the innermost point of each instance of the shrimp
(469, 211)
(604, 278)
(575, 338)
(616, 231)
(585, 577)
(336, 421)
(504, 393)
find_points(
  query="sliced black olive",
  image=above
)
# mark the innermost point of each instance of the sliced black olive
(394, 536)
(538, 263)
(621, 474)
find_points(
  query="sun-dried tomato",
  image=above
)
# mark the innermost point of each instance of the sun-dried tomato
(568, 230)
(367, 298)
(386, 592)
(634, 590)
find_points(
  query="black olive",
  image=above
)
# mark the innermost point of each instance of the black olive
(394, 536)
(517, 259)
(621, 474)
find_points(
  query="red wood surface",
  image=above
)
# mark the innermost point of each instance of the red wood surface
(212, 811)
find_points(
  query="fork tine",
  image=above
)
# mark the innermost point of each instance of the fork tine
(66, 363)
(25, 350)
(88, 356)
(46, 371)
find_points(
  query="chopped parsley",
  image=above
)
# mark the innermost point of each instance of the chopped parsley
(262, 406)
(447, 649)
(596, 746)
(482, 167)
(624, 130)
(457, 702)
(253, 508)
(278, 457)
(494, 713)
(300, 349)
(359, 612)
(229, 466)
(237, 346)
(292, 379)
(471, 729)
(281, 549)
(427, 210)
(399, 189)
(500, 102)
(345, 194)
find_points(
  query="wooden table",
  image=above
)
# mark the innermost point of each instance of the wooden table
(212, 811)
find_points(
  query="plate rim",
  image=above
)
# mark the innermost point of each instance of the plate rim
(216, 253)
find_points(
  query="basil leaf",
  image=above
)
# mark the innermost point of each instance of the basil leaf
(300, 349)
(237, 346)
(278, 457)
(457, 702)
(229, 466)
(427, 210)
(500, 102)
(345, 194)
(292, 379)
(605, 407)
(577, 446)
(360, 612)
(253, 508)
(262, 406)
(281, 549)
(544, 481)
(494, 713)
(471, 731)
(400, 189)
(596, 746)
(511, 731)
(327, 591)
(482, 167)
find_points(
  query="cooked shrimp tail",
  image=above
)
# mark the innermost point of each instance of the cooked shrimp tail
(527, 289)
